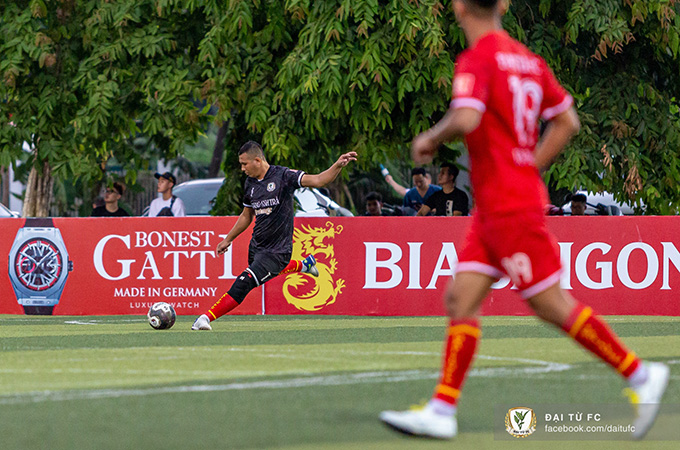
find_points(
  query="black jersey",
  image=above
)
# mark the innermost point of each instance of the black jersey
(272, 200)
(446, 204)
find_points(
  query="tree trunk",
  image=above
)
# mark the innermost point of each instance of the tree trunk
(4, 197)
(38, 196)
(218, 151)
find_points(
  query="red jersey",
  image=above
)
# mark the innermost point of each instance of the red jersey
(513, 88)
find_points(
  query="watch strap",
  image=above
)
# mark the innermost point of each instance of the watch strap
(42, 222)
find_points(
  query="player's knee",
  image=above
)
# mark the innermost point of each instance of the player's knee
(459, 306)
(244, 283)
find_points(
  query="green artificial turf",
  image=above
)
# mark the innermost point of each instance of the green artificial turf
(305, 382)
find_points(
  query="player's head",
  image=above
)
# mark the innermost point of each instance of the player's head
(252, 160)
(373, 204)
(479, 8)
(578, 204)
(448, 172)
(418, 175)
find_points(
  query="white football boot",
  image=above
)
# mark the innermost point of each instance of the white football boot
(646, 398)
(421, 422)
(202, 323)
(309, 266)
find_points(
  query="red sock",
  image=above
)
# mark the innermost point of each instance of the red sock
(593, 333)
(461, 343)
(221, 307)
(293, 266)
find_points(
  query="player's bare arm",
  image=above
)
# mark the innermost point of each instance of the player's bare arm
(557, 135)
(242, 223)
(329, 174)
(456, 123)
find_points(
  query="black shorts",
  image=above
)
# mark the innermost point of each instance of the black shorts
(264, 265)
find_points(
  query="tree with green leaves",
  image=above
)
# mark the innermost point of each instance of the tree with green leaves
(310, 80)
(82, 79)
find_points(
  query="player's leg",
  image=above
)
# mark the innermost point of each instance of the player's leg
(647, 380)
(307, 265)
(535, 271)
(263, 267)
(463, 298)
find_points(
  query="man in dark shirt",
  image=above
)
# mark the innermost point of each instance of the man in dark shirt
(268, 198)
(450, 201)
(111, 208)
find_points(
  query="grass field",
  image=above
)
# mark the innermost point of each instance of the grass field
(290, 382)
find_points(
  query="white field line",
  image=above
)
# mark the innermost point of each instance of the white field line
(324, 380)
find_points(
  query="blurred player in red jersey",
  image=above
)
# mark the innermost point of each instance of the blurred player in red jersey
(500, 92)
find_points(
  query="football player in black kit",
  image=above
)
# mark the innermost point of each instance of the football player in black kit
(268, 198)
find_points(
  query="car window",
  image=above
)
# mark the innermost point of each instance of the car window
(197, 197)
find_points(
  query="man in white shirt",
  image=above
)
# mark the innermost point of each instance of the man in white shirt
(167, 204)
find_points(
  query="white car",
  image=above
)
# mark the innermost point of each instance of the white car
(6, 212)
(602, 203)
(199, 196)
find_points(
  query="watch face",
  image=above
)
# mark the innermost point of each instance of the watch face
(38, 264)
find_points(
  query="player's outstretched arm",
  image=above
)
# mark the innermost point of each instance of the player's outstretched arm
(329, 174)
(456, 123)
(557, 135)
(242, 223)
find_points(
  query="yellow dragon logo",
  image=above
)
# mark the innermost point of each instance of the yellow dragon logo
(303, 291)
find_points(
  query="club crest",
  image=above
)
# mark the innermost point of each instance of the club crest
(520, 422)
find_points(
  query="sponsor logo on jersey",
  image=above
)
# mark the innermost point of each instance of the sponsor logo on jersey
(463, 84)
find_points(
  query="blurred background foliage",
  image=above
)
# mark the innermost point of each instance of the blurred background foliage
(88, 82)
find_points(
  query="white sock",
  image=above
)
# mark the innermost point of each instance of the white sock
(639, 377)
(441, 407)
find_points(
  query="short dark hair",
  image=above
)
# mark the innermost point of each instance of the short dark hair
(417, 171)
(253, 149)
(486, 4)
(453, 169)
(579, 198)
(374, 196)
(119, 188)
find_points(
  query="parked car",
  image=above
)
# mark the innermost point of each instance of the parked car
(199, 196)
(601, 204)
(6, 212)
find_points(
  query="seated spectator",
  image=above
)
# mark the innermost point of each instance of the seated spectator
(416, 196)
(111, 208)
(374, 205)
(398, 188)
(449, 201)
(578, 205)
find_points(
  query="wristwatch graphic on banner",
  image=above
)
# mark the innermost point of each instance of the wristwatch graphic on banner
(38, 266)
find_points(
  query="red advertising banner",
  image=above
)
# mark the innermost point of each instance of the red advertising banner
(367, 266)
(121, 265)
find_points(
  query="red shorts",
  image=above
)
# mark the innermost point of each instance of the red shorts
(518, 245)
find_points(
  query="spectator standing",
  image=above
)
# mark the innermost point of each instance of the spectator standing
(111, 208)
(578, 205)
(449, 201)
(167, 204)
(422, 190)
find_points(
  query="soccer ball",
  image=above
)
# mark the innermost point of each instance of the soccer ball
(161, 316)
